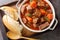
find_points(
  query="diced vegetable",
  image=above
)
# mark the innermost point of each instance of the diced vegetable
(33, 4)
(45, 8)
(29, 19)
(30, 0)
(28, 14)
(46, 19)
(50, 16)
(33, 0)
(43, 12)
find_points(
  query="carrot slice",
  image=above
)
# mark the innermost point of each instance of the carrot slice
(33, 4)
(50, 16)
(43, 12)
(29, 19)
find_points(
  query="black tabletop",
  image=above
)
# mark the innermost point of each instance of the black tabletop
(48, 35)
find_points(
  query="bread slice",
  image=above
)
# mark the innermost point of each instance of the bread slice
(12, 24)
(12, 12)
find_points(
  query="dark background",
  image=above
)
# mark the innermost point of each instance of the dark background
(48, 35)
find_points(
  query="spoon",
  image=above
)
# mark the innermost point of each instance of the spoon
(13, 35)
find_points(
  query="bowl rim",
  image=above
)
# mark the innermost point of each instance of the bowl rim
(53, 10)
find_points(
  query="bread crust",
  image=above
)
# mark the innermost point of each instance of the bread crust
(11, 24)
(12, 12)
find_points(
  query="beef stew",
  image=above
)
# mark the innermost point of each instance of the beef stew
(37, 14)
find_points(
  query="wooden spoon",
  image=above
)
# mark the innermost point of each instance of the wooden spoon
(15, 36)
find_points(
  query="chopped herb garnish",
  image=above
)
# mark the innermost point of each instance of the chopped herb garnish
(30, 0)
(28, 14)
(46, 19)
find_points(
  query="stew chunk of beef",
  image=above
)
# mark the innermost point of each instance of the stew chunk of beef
(29, 8)
(37, 13)
(24, 20)
(35, 20)
(42, 20)
(41, 3)
(44, 25)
